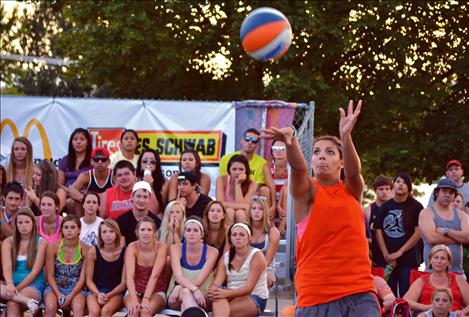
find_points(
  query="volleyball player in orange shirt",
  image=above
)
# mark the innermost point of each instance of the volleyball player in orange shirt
(333, 275)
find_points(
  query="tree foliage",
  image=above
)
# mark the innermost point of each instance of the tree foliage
(406, 59)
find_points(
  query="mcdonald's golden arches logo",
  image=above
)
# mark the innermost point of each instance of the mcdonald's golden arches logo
(33, 122)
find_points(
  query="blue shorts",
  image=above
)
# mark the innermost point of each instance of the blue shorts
(38, 288)
(260, 303)
(66, 290)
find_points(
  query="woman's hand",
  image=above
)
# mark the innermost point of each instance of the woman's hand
(216, 293)
(31, 194)
(172, 299)
(134, 306)
(283, 134)
(145, 305)
(102, 298)
(11, 290)
(241, 178)
(148, 178)
(347, 121)
(199, 298)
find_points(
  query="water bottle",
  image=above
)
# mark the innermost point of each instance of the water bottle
(147, 171)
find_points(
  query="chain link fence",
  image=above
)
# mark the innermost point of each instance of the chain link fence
(264, 114)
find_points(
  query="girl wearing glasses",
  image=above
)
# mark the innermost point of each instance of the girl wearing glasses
(265, 236)
(329, 221)
(149, 170)
(244, 270)
(44, 179)
(190, 162)
(236, 188)
(128, 147)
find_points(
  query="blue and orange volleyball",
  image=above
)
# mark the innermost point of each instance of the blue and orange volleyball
(266, 34)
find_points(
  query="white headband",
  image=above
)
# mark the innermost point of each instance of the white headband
(196, 222)
(242, 225)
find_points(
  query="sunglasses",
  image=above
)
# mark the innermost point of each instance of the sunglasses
(147, 161)
(249, 139)
(278, 148)
(258, 197)
(98, 159)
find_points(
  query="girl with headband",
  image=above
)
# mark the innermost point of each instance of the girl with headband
(192, 263)
(243, 268)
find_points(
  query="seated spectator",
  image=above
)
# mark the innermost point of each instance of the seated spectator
(13, 195)
(78, 158)
(98, 179)
(279, 170)
(149, 170)
(235, 189)
(23, 257)
(118, 199)
(443, 224)
(398, 235)
(189, 162)
(192, 263)
(265, 236)
(3, 184)
(49, 220)
(172, 225)
(442, 300)
(187, 190)
(458, 201)
(140, 202)
(90, 221)
(214, 222)
(128, 148)
(20, 166)
(260, 171)
(282, 208)
(104, 272)
(65, 270)
(244, 270)
(144, 272)
(455, 172)
(419, 293)
(44, 179)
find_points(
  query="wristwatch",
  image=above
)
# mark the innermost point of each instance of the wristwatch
(445, 232)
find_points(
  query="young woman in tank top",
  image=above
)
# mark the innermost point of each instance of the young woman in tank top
(144, 272)
(265, 237)
(214, 222)
(192, 263)
(49, 221)
(172, 225)
(23, 261)
(244, 270)
(65, 270)
(104, 272)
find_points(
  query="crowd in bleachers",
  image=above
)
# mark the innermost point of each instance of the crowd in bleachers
(102, 232)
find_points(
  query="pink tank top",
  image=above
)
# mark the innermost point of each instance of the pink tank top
(228, 197)
(53, 237)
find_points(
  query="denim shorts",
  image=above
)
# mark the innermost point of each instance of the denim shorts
(355, 305)
(260, 303)
(38, 289)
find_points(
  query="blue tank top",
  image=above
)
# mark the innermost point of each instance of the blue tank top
(198, 266)
(107, 275)
(455, 248)
(21, 271)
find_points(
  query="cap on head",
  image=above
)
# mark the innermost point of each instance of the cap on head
(447, 183)
(451, 163)
(191, 177)
(100, 152)
(141, 185)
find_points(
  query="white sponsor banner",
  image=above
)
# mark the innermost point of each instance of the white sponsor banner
(168, 126)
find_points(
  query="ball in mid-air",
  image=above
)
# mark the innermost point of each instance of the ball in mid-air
(266, 34)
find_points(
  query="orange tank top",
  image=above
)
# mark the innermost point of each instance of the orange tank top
(117, 202)
(332, 254)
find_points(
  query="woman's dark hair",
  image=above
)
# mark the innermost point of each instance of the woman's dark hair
(49, 177)
(157, 174)
(232, 248)
(52, 196)
(67, 218)
(243, 160)
(130, 131)
(198, 162)
(90, 193)
(3, 185)
(72, 156)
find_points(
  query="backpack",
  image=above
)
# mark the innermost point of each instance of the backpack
(400, 308)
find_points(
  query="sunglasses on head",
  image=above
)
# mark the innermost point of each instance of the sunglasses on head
(102, 159)
(278, 148)
(147, 161)
(249, 139)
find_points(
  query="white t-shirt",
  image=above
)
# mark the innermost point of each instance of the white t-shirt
(118, 156)
(89, 232)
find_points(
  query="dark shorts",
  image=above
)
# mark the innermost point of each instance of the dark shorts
(355, 305)
(260, 303)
